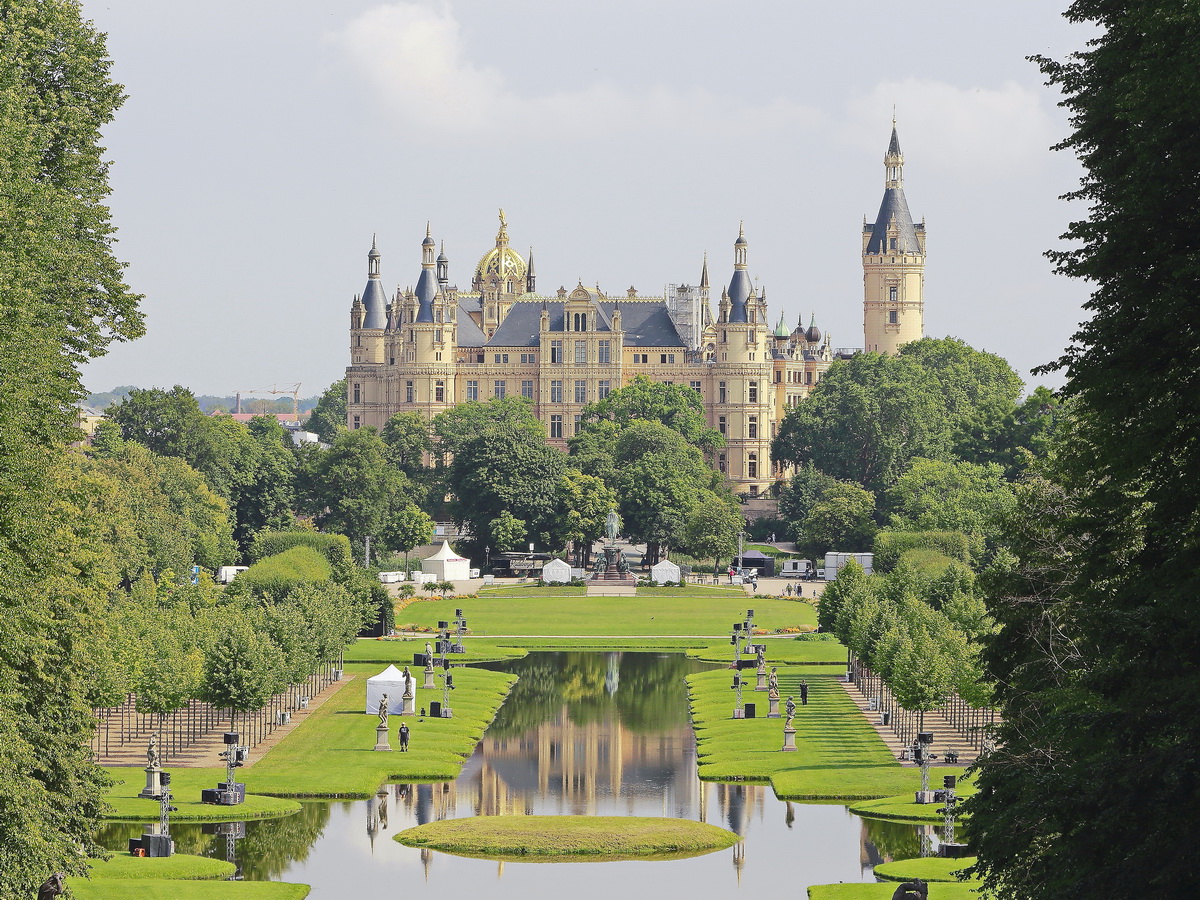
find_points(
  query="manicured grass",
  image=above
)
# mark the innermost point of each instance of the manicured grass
(565, 838)
(688, 611)
(931, 868)
(186, 785)
(178, 867)
(904, 809)
(186, 890)
(783, 650)
(331, 754)
(884, 891)
(838, 757)
(400, 651)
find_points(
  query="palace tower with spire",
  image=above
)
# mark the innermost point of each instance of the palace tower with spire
(893, 256)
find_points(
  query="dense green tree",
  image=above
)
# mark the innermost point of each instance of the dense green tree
(169, 423)
(268, 498)
(330, 412)
(938, 495)
(243, 668)
(843, 519)
(659, 475)
(800, 494)
(353, 488)
(711, 527)
(408, 439)
(1096, 774)
(674, 405)
(978, 389)
(834, 598)
(865, 420)
(1027, 434)
(582, 503)
(499, 463)
(406, 529)
(507, 532)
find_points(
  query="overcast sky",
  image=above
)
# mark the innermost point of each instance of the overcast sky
(265, 141)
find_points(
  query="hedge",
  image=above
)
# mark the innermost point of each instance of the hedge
(275, 575)
(334, 547)
(891, 545)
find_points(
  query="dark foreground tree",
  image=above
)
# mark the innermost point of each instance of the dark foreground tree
(1098, 775)
(62, 301)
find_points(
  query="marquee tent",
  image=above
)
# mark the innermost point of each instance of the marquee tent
(447, 565)
(391, 682)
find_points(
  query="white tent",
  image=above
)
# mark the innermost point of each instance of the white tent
(391, 682)
(665, 571)
(556, 572)
(447, 565)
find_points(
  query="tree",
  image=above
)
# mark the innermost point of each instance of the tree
(800, 494)
(677, 407)
(406, 529)
(843, 519)
(866, 418)
(242, 669)
(330, 412)
(408, 440)
(352, 488)
(851, 578)
(582, 503)
(507, 531)
(1096, 773)
(62, 301)
(936, 495)
(711, 527)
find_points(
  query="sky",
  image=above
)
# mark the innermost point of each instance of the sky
(265, 142)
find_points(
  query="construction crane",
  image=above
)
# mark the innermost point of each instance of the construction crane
(273, 389)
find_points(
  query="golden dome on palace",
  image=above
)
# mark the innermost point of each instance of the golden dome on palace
(501, 263)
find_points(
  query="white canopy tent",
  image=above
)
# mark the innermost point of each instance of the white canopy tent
(391, 682)
(665, 571)
(447, 565)
(556, 572)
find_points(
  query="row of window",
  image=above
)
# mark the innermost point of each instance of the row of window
(603, 353)
(751, 464)
(751, 426)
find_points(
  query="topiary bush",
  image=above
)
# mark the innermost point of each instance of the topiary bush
(274, 576)
(334, 547)
(891, 545)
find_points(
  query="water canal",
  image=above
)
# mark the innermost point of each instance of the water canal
(581, 733)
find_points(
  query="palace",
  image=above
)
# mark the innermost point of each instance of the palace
(435, 345)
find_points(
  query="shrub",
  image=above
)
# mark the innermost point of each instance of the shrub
(891, 545)
(816, 636)
(334, 547)
(274, 576)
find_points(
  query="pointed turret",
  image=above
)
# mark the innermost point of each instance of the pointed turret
(739, 286)
(443, 267)
(374, 301)
(530, 276)
(704, 273)
(894, 231)
(781, 330)
(427, 283)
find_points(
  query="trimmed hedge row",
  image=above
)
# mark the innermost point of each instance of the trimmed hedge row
(891, 545)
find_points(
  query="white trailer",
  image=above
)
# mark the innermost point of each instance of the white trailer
(796, 568)
(226, 574)
(835, 561)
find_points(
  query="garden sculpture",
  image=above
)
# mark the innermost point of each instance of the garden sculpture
(912, 890)
(773, 684)
(52, 887)
(622, 563)
(383, 711)
(408, 683)
(790, 706)
(152, 759)
(611, 525)
(601, 564)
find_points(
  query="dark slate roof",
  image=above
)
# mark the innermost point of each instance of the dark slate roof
(469, 334)
(426, 291)
(646, 323)
(894, 146)
(894, 204)
(739, 293)
(374, 305)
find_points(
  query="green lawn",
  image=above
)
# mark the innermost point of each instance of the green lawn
(186, 890)
(884, 891)
(654, 611)
(931, 868)
(839, 756)
(598, 838)
(178, 867)
(905, 809)
(186, 785)
(331, 754)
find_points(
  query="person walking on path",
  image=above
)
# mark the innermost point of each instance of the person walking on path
(404, 737)
(803, 692)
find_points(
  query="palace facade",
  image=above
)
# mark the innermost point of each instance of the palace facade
(436, 345)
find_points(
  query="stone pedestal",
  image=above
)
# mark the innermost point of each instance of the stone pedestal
(153, 786)
(447, 712)
(406, 705)
(789, 739)
(773, 708)
(762, 680)
(429, 685)
(739, 713)
(381, 738)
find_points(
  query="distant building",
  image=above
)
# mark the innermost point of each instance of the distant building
(434, 346)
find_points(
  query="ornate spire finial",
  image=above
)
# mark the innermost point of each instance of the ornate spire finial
(428, 229)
